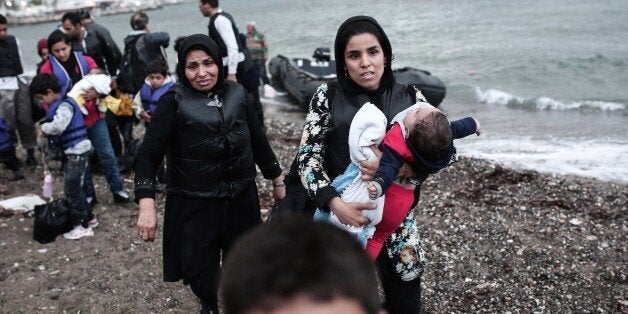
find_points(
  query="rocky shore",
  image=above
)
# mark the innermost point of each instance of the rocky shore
(496, 239)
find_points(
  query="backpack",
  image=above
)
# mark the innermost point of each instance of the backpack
(133, 68)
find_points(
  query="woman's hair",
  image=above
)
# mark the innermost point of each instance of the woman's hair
(355, 26)
(57, 36)
(157, 66)
(431, 136)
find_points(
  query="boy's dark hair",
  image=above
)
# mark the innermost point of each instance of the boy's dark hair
(139, 20)
(73, 17)
(43, 82)
(432, 136)
(3, 19)
(212, 3)
(297, 257)
(157, 66)
(55, 37)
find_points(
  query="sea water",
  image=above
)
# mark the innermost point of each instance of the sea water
(548, 80)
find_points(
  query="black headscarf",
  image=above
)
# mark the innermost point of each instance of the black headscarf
(352, 27)
(200, 42)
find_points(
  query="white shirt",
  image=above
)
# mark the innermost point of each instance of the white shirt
(225, 29)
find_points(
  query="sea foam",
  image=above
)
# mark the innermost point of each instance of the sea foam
(502, 98)
(590, 158)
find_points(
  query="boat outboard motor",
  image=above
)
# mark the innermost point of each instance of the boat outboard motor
(322, 54)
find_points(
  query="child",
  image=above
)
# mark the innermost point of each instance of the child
(421, 138)
(368, 128)
(65, 125)
(7, 151)
(156, 84)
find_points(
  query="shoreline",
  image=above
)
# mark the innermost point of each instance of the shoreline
(496, 239)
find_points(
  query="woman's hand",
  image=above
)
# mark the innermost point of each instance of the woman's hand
(369, 168)
(147, 220)
(350, 213)
(279, 188)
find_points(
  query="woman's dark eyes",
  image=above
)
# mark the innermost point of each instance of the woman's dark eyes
(373, 51)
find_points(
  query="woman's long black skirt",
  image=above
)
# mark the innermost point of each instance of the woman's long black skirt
(198, 232)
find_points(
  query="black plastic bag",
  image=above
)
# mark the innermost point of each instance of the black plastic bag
(51, 220)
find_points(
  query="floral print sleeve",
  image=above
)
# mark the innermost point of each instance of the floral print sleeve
(311, 150)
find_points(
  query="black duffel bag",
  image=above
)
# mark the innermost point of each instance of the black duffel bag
(51, 220)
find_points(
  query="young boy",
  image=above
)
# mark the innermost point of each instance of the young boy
(7, 151)
(156, 84)
(65, 125)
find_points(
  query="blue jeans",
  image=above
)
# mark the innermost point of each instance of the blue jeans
(74, 170)
(99, 135)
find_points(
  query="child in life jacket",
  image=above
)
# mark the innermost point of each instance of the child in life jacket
(156, 84)
(65, 125)
(7, 151)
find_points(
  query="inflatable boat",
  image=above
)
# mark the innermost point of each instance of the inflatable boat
(300, 77)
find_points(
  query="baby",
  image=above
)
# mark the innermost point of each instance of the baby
(421, 140)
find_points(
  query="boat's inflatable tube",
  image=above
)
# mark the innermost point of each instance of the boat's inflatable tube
(301, 77)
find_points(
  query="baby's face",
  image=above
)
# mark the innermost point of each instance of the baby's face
(415, 116)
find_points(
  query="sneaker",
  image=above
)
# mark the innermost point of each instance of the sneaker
(93, 223)
(121, 197)
(78, 232)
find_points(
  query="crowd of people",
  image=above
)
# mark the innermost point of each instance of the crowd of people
(368, 143)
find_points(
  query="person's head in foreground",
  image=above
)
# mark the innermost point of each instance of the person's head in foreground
(295, 265)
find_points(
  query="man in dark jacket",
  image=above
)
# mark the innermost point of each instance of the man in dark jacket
(103, 35)
(90, 43)
(149, 46)
(15, 101)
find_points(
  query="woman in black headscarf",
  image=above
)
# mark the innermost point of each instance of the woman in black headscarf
(363, 64)
(209, 129)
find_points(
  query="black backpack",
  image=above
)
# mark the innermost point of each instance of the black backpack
(133, 67)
